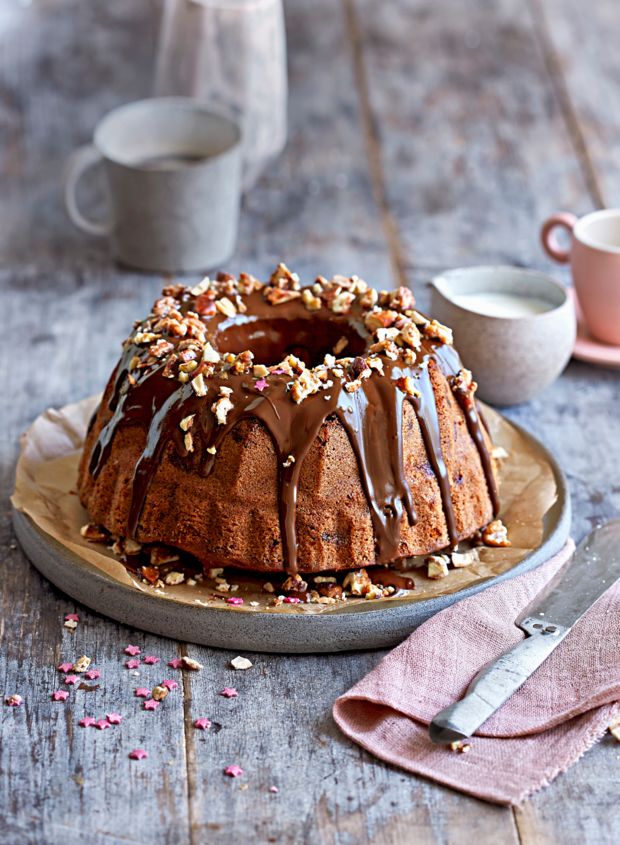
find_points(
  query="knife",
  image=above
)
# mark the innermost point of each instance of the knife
(592, 570)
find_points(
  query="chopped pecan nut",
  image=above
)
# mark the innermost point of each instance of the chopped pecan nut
(357, 583)
(461, 559)
(199, 386)
(283, 279)
(330, 591)
(159, 693)
(407, 385)
(94, 533)
(222, 406)
(439, 332)
(380, 319)
(374, 592)
(174, 578)
(401, 299)
(295, 583)
(209, 354)
(81, 664)
(495, 534)
(341, 304)
(278, 296)
(369, 298)
(340, 345)
(437, 566)
(410, 335)
(225, 307)
(304, 385)
(187, 422)
(312, 302)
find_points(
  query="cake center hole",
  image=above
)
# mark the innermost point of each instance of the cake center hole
(309, 340)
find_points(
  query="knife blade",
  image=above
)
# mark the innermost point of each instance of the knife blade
(592, 570)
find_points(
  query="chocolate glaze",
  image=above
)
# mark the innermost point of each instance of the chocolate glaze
(372, 418)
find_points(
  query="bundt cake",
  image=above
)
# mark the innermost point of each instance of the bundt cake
(280, 428)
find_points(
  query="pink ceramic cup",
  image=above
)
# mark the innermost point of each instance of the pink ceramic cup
(594, 256)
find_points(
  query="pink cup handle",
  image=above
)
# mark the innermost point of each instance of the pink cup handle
(547, 235)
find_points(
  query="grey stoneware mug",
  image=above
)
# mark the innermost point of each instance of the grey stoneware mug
(514, 328)
(173, 176)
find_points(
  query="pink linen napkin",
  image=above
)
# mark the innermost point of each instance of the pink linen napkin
(560, 712)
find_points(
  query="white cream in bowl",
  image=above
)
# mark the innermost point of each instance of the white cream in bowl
(513, 328)
(494, 304)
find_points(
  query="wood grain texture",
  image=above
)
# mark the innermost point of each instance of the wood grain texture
(419, 136)
(580, 47)
(473, 140)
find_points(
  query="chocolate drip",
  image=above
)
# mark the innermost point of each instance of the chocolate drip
(371, 416)
(450, 364)
(426, 411)
(388, 578)
(165, 421)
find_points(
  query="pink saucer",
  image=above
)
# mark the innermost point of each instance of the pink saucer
(588, 348)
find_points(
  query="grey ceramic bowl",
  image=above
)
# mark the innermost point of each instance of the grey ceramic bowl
(512, 358)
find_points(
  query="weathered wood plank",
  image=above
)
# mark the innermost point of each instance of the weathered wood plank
(473, 140)
(279, 730)
(63, 783)
(580, 47)
(314, 207)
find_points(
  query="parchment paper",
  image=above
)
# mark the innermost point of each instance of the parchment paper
(45, 489)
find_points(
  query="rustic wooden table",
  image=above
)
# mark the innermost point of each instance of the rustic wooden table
(422, 135)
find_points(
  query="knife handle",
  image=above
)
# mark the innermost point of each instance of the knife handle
(496, 682)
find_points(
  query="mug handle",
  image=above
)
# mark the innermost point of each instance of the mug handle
(78, 163)
(547, 235)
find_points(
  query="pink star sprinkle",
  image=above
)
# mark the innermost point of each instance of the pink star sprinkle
(14, 700)
(234, 600)
(202, 724)
(151, 659)
(278, 371)
(86, 722)
(65, 667)
(133, 650)
(233, 771)
(93, 674)
(261, 384)
(291, 600)
(170, 685)
(138, 754)
(132, 664)
(102, 724)
(176, 663)
(114, 718)
(273, 789)
(72, 617)
(60, 695)
(70, 679)
(151, 704)
(229, 692)
(142, 692)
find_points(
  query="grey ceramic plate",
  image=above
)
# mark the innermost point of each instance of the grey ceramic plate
(358, 628)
